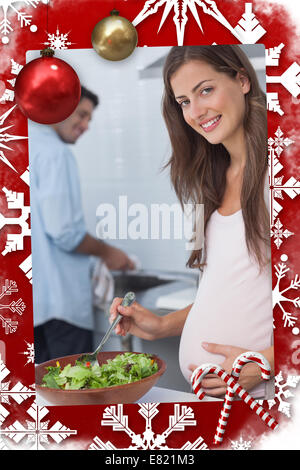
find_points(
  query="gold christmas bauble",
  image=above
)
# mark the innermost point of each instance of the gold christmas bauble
(114, 37)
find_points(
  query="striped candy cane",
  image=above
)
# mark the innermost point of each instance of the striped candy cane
(251, 356)
(239, 362)
(233, 386)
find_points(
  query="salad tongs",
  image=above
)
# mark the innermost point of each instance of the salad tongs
(129, 298)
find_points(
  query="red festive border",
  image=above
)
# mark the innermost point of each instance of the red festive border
(88, 427)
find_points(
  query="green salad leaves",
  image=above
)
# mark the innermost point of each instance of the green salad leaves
(124, 368)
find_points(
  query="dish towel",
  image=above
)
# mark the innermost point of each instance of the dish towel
(103, 285)
(103, 282)
(136, 261)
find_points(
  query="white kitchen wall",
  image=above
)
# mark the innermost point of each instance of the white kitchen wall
(127, 143)
(129, 147)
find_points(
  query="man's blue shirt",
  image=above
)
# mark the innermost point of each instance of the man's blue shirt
(61, 277)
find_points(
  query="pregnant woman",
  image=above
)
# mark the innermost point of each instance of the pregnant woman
(215, 114)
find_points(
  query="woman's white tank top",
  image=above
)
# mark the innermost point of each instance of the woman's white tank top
(233, 305)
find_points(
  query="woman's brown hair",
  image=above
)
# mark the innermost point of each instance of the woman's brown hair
(198, 168)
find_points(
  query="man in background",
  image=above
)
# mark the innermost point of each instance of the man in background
(61, 245)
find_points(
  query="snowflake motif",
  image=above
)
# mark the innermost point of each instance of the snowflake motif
(183, 416)
(291, 187)
(9, 94)
(15, 241)
(279, 295)
(29, 353)
(18, 306)
(273, 55)
(273, 103)
(26, 267)
(5, 137)
(37, 431)
(276, 146)
(241, 444)
(7, 7)
(290, 79)
(58, 40)
(9, 325)
(25, 176)
(3, 446)
(278, 233)
(282, 392)
(248, 29)
(279, 142)
(18, 393)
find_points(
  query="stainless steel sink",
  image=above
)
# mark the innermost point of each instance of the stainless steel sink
(125, 282)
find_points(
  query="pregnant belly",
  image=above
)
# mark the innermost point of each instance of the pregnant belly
(191, 350)
(229, 323)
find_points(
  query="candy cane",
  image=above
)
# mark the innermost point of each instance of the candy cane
(234, 387)
(251, 356)
(239, 362)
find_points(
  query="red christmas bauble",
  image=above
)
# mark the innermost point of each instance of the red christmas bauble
(47, 89)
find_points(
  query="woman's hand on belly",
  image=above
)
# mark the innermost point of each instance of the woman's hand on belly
(214, 385)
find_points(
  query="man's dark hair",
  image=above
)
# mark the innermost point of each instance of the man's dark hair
(85, 93)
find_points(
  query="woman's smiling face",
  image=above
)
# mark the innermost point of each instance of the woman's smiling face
(212, 103)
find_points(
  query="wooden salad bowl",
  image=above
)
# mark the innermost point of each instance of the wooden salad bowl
(127, 393)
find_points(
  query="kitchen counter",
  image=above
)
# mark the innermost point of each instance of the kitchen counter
(177, 291)
(155, 395)
(164, 395)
